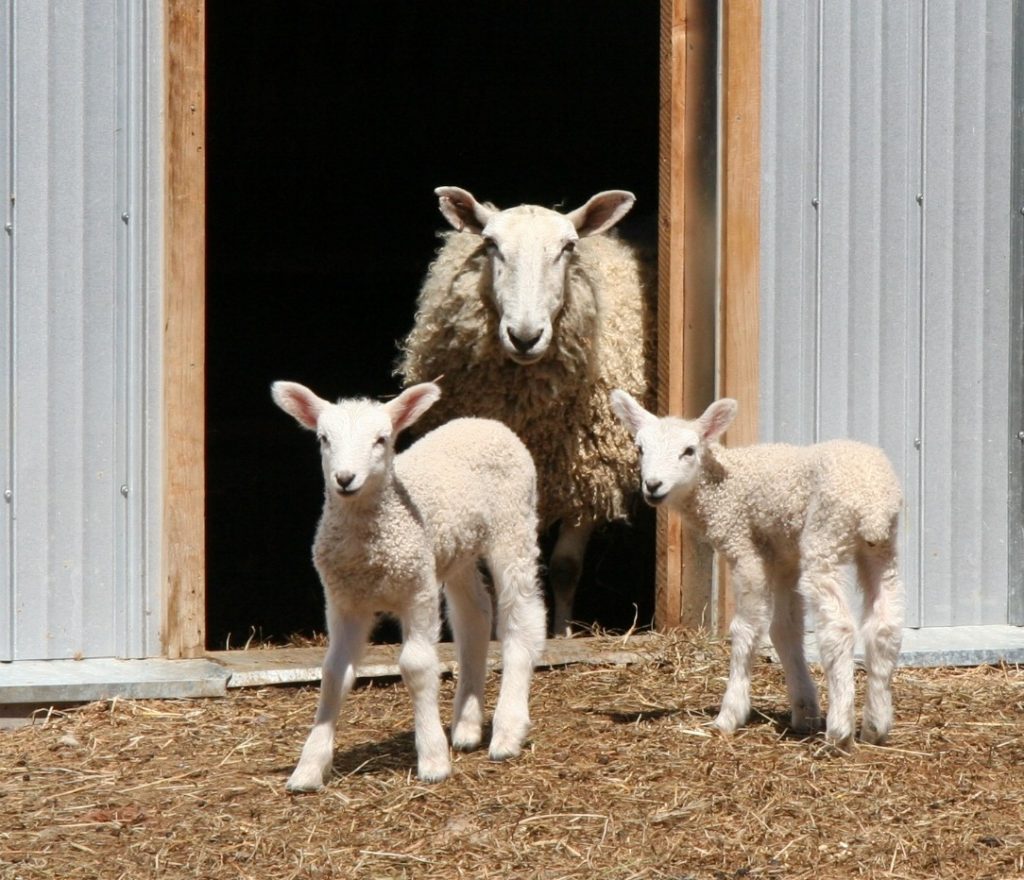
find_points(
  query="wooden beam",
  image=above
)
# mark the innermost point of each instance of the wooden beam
(686, 271)
(741, 216)
(184, 529)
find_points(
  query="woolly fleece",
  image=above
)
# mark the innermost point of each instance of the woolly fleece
(604, 338)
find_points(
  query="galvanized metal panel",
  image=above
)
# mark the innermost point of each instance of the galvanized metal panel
(77, 302)
(1016, 399)
(7, 448)
(885, 316)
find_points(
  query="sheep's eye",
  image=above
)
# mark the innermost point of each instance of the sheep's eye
(381, 440)
(568, 247)
(492, 248)
(689, 452)
(323, 439)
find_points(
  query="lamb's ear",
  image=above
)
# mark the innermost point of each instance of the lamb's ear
(630, 413)
(462, 210)
(602, 211)
(716, 419)
(411, 404)
(299, 402)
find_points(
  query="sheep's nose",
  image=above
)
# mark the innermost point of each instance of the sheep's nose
(523, 345)
(652, 486)
(344, 479)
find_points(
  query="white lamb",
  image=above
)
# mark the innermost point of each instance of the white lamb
(787, 518)
(535, 316)
(393, 528)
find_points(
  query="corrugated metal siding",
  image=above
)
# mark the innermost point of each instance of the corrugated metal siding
(885, 268)
(75, 313)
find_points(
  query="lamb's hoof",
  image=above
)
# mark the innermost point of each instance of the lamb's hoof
(504, 751)
(304, 779)
(838, 747)
(872, 735)
(433, 772)
(466, 738)
(725, 725)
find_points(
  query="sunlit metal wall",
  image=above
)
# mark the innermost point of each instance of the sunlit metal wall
(79, 316)
(887, 303)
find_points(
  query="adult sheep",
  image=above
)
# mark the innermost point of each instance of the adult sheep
(534, 316)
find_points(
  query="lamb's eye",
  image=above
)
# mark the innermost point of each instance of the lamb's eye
(323, 439)
(381, 440)
(492, 248)
(568, 248)
(689, 452)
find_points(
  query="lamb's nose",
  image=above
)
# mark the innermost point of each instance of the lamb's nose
(523, 345)
(652, 486)
(344, 479)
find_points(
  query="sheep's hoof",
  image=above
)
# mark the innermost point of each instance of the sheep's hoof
(433, 776)
(303, 780)
(838, 747)
(872, 735)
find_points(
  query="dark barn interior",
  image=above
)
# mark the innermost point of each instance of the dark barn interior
(329, 125)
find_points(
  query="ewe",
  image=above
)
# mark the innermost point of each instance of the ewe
(394, 527)
(787, 518)
(534, 316)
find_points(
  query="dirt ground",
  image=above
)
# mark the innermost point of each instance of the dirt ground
(622, 779)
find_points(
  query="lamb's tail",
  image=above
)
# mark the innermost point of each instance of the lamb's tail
(879, 517)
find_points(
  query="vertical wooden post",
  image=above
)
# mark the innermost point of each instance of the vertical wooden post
(184, 529)
(686, 271)
(741, 216)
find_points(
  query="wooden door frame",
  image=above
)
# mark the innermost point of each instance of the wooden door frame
(689, 351)
(183, 629)
(707, 339)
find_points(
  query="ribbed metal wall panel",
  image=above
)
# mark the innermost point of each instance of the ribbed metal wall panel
(885, 269)
(76, 305)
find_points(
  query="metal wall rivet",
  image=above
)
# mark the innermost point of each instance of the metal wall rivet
(8, 494)
(8, 228)
(124, 491)
(917, 443)
(815, 202)
(124, 217)
(920, 198)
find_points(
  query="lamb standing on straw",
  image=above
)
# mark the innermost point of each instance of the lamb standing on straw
(787, 518)
(394, 527)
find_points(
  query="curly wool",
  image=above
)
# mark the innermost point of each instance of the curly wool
(604, 334)
(766, 494)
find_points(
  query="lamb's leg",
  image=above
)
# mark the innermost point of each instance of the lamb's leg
(521, 626)
(787, 635)
(421, 672)
(469, 613)
(347, 640)
(883, 632)
(748, 623)
(822, 588)
(564, 572)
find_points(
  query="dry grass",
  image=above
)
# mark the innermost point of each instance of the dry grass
(622, 780)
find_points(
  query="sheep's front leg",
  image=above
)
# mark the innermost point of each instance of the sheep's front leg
(347, 639)
(469, 613)
(521, 627)
(822, 589)
(748, 623)
(564, 572)
(787, 635)
(421, 673)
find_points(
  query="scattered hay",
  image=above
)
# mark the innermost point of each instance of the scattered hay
(622, 779)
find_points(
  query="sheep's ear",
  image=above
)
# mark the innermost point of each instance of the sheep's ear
(716, 419)
(602, 211)
(631, 414)
(299, 402)
(462, 210)
(411, 404)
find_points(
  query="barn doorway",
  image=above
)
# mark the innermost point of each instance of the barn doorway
(328, 127)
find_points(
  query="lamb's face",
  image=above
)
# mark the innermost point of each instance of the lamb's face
(355, 446)
(529, 249)
(670, 456)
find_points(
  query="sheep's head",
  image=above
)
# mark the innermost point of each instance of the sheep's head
(671, 449)
(530, 250)
(357, 437)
